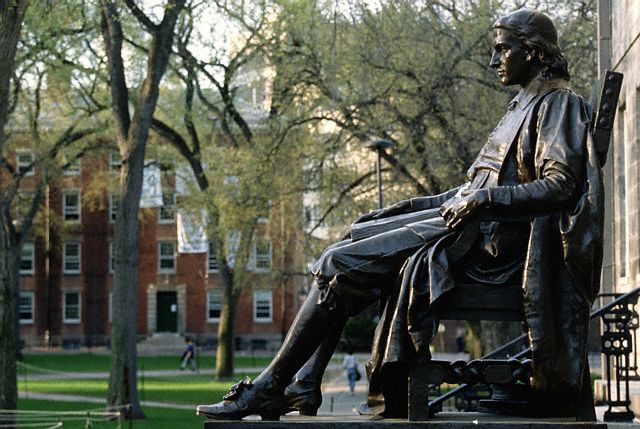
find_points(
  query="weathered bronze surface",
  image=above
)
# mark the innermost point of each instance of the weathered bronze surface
(530, 213)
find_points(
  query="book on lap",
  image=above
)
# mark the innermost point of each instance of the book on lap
(373, 227)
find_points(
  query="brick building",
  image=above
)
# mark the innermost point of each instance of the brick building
(65, 292)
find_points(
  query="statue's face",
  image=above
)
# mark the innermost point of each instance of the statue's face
(509, 58)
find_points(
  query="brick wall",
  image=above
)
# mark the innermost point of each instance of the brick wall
(189, 282)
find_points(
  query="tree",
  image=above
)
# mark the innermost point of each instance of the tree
(52, 123)
(131, 135)
(11, 17)
(238, 147)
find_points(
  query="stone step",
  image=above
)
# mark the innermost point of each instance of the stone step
(162, 344)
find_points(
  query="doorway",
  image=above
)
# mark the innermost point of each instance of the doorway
(167, 312)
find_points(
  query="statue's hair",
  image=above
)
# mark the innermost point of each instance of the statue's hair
(538, 33)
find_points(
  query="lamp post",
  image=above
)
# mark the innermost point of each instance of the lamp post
(379, 146)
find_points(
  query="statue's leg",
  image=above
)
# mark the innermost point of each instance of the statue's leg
(264, 395)
(304, 394)
(349, 277)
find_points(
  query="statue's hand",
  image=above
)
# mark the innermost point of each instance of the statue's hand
(458, 209)
(395, 209)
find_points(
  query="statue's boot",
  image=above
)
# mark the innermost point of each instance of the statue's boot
(265, 395)
(304, 394)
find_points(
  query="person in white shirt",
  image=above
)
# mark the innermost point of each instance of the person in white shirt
(350, 364)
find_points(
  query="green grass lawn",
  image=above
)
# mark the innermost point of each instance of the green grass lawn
(89, 362)
(156, 418)
(187, 389)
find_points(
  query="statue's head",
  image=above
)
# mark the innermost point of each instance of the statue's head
(526, 45)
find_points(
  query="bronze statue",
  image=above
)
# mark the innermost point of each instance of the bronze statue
(531, 213)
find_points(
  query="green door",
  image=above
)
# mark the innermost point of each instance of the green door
(167, 312)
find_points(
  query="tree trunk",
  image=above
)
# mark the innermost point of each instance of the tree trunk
(132, 134)
(123, 376)
(8, 383)
(11, 18)
(226, 343)
(15, 256)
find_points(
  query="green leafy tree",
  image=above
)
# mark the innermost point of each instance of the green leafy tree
(250, 165)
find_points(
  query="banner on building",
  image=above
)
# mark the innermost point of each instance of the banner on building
(151, 188)
(192, 237)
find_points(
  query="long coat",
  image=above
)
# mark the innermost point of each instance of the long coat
(561, 272)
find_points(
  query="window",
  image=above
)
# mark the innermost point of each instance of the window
(167, 257)
(24, 163)
(212, 262)
(72, 168)
(110, 308)
(115, 162)
(27, 256)
(71, 206)
(25, 307)
(167, 212)
(262, 254)
(262, 306)
(214, 305)
(112, 261)
(113, 207)
(620, 199)
(71, 307)
(71, 258)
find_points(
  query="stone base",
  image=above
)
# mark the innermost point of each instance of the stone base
(441, 421)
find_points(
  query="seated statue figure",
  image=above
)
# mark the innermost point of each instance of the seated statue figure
(530, 214)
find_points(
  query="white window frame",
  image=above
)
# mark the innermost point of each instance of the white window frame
(23, 166)
(162, 257)
(210, 294)
(31, 296)
(167, 212)
(69, 320)
(74, 168)
(113, 207)
(115, 162)
(66, 258)
(262, 295)
(66, 210)
(29, 245)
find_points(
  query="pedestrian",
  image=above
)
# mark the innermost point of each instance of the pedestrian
(351, 366)
(461, 333)
(189, 355)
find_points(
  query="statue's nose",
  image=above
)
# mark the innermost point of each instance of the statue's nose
(495, 59)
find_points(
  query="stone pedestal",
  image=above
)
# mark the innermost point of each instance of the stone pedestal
(441, 421)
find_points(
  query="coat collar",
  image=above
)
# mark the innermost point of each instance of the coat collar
(534, 88)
